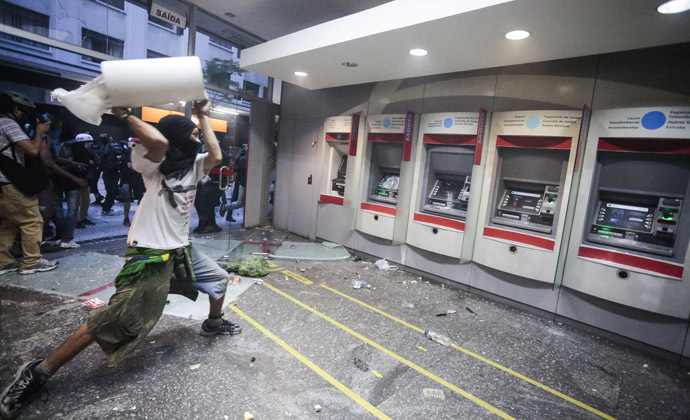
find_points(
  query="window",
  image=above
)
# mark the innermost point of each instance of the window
(252, 88)
(25, 19)
(220, 43)
(118, 4)
(101, 43)
(154, 54)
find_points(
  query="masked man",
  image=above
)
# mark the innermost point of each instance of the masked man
(159, 259)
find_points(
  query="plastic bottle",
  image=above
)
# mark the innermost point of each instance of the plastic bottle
(439, 338)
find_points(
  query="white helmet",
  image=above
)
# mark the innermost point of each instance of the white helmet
(20, 99)
(83, 137)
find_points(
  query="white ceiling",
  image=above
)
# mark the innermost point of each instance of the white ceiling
(459, 34)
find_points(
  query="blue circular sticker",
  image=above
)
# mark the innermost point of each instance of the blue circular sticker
(653, 120)
(387, 123)
(448, 122)
(533, 122)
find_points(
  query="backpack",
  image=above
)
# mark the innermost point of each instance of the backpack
(114, 157)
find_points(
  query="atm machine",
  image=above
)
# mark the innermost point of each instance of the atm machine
(337, 135)
(388, 171)
(338, 187)
(442, 182)
(632, 220)
(528, 175)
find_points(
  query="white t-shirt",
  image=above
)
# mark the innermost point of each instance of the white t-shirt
(156, 223)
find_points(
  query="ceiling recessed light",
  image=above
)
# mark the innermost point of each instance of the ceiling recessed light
(419, 52)
(674, 6)
(349, 64)
(516, 35)
(301, 74)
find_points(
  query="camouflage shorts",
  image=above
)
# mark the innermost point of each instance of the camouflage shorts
(131, 313)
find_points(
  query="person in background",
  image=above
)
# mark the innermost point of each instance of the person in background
(112, 160)
(208, 197)
(68, 179)
(82, 149)
(20, 213)
(131, 184)
(240, 185)
(160, 259)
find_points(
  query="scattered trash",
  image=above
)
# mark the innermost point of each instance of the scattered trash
(421, 348)
(248, 416)
(152, 342)
(360, 284)
(302, 270)
(253, 359)
(361, 365)
(413, 281)
(93, 302)
(317, 408)
(356, 258)
(451, 311)
(438, 338)
(645, 366)
(366, 268)
(383, 265)
(443, 314)
(259, 282)
(432, 394)
(309, 293)
(443, 286)
(194, 367)
(469, 310)
(408, 305)
(292, 247)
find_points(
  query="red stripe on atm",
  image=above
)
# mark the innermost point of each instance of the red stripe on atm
(680, 146)
(440, 221)
(648, 264)
(534, 142)
(323, 198)
(459, 139)
(387, 137)
(334, 136)
(378, 208)
(520, 237)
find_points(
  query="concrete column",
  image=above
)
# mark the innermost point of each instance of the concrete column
(261, 135)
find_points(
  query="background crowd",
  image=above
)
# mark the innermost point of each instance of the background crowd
(79, 166)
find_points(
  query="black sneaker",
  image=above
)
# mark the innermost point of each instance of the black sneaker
(22, 390)
(80, 225)
(224, 328)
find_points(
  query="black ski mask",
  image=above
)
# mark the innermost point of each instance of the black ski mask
(182, 150)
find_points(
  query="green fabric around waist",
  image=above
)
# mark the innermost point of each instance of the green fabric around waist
(139, 262)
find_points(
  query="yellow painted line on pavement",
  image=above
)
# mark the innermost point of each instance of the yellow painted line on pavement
(421, 348)
(378, 375)
(270, 264)
(296, 276)
(397, 357)
(342, 388)
(276, 269)
(478, 357)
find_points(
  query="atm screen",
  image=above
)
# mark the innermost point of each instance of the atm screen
(389, 182)
(625, 216)
(524, 202)
(447, 190)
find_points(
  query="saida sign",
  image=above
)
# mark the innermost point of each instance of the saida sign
(168, 15)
